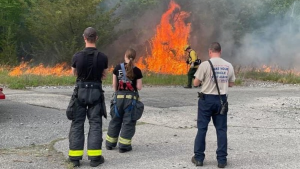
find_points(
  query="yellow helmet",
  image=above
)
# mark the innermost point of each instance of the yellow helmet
(186, 47)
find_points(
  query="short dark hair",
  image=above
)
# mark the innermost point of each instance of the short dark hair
(215, 47)
(90, 34)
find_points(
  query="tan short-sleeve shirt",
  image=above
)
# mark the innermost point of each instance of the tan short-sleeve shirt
(224, 72)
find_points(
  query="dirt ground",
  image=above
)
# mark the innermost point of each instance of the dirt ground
(263, 128)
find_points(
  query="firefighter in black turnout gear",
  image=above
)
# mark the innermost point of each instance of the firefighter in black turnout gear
(126, 108)
(89, 65)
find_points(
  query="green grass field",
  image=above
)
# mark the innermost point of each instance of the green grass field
(288, 78)
(23, 81)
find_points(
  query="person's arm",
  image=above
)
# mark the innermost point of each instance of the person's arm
(197, 82)
(105, 68)
(104, 74)
(114, 82)
(231, 77)
(199, 75)
(74, 71)
(139, 84)
(73, 66)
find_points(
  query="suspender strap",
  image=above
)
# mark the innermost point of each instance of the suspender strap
(95, 61)
(85, 73)
(213, 70)
(124, 72)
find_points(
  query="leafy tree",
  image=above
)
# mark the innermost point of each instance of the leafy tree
(57, 27)
(10, 15)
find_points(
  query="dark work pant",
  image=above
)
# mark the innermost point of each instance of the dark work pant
(76, 135)
(207, 106)
(121, 125)
(191, 76)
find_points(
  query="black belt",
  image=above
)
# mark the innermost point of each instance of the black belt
(202, 95)
(89, 85)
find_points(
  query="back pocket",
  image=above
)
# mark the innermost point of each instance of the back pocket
(88, 96)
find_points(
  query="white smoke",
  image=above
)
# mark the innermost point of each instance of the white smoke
(277, 45)
(274, 43)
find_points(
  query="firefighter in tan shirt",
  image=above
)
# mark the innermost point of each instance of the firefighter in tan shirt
(209, 104)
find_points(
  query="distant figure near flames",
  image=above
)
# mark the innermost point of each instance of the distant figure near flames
(193, 62)
(90, 67)
(216, 75)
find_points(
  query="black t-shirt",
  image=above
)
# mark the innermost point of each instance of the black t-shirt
(137, 75)
(84, 65)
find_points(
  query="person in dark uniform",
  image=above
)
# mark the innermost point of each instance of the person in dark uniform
(210, 104)
(127, 80)
(191, 61)
(89, 65)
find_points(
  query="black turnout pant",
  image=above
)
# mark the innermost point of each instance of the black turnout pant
(121, 127)
(87, 105)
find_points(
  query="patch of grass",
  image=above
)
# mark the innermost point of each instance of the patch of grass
(20, 82)
(162, 79)
(238, 82)
(23, 81)
(272, 76)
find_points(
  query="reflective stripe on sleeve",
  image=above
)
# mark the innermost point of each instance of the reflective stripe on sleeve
(75, 153)
(111, 139)
(125, 141)
(94, 152)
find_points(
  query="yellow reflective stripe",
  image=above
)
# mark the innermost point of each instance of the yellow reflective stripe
(75, 153)
(111, 139)
(94, 152)
(125, 141)
(127, 97)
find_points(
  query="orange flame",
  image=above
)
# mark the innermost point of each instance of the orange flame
(273, 69)
(61, 69)
(167, 54)
(266, 69)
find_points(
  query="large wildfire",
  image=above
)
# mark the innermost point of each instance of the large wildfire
(167, 54)
(166, 51)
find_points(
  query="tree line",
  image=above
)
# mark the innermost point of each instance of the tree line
(48, 31)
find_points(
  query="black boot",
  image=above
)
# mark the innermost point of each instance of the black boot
(95, 163)
(122, 150)
(109, 148)
(222, 165)
(197, 163)
(75, 163)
